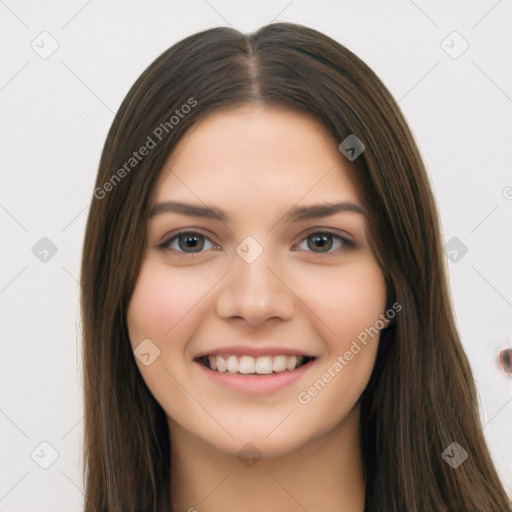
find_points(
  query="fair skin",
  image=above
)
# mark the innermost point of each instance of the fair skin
(292, 289)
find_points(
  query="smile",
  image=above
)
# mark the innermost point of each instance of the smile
(249, 365)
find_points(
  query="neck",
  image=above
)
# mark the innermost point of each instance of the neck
(324, 475)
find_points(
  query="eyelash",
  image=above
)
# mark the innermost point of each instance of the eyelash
(165, 245)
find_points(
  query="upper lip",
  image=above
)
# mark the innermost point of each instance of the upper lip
(240, 350)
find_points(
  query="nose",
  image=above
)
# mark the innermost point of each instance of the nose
(255, 292)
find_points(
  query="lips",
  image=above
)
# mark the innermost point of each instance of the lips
(253, 369)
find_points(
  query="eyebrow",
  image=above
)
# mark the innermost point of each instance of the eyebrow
(294, 214)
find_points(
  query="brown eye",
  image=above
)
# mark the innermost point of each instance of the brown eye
(188, 242)
(323, 241)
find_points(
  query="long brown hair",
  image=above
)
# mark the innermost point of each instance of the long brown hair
(421, 396)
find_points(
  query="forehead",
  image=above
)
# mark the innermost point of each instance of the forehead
(257, 154)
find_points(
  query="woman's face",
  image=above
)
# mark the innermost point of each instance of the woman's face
(223, 315)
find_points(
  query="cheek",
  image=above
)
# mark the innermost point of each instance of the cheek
(163, 308)
(348, 302)
(158, 303)
(364, 300)
(352, 307)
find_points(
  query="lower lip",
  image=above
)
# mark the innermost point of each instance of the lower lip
(256, 384)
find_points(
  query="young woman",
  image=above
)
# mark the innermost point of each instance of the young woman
(266, 315)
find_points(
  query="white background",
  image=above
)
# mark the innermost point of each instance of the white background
(55, 114)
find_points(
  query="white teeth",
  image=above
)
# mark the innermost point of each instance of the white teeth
(221, 364)
(232, 364)
(262, 365)
(291, 362)
(279, 363)
(246, 364)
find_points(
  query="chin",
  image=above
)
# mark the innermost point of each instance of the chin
(261, 446)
